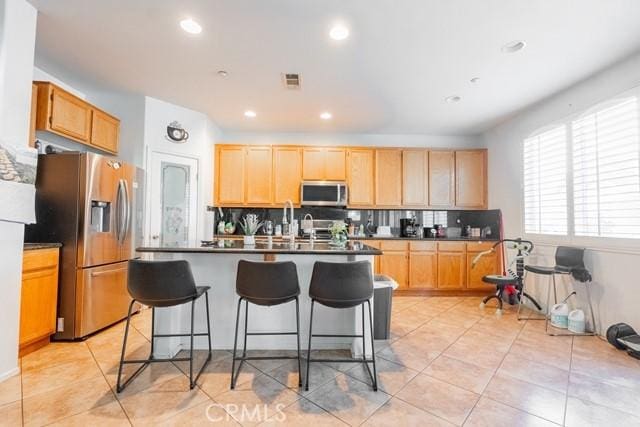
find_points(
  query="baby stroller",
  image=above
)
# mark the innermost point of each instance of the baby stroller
(509, 284)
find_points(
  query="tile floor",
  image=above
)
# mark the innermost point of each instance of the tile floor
(448, 363)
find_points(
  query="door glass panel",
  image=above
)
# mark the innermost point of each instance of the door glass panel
(175, 204)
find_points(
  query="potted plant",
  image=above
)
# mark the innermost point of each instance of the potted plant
(338, 231)
(250, 225)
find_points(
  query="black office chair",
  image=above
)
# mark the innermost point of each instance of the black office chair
(569, 261)
(266, 284)
(163, 284)
(343, 285)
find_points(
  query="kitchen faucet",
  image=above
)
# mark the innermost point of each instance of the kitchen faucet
(292, 235)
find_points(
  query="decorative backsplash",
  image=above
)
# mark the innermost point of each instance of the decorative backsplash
(390, 217)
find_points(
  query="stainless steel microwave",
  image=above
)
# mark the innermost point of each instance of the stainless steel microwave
(323, 193)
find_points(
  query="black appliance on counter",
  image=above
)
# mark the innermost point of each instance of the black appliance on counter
(409, 228)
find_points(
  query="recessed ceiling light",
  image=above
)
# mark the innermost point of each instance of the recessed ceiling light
(326, 115)
(475, 80)
(339, 32)
(250, 113)
(453, 99)
(514, 46)
(222, 73)
(190, 26)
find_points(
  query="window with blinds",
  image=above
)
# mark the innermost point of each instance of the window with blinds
(545, 182)
(606, 171)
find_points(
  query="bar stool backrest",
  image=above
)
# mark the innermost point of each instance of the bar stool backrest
(267, 283)
(568, 258)
(161, 283)
(342, 284)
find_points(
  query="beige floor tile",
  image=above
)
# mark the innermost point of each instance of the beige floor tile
(205, 413)
(11, 414)
(480, 339)
(476, 353)
(536, 400)
(462, 374)
(257, 400)
(558, 358)
(269, 365)
(335, 354)
(408, 354)
(617, 368)
(348, 399)
(303, 413)
(439, 398)
(46, 378)
(55, 354)
(161, 401)
(535, 373)
(604, 393)
(489, 413)
(399, 413)
(503, 327)
(152, 375)
(319, 375)
(458, 318)
(581, 413)
(216, 378)
(109, 415)
(391, 376)
(63, 402)
(11, 390)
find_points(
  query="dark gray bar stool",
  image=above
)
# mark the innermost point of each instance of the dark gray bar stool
(266, 284)
(343, 285)
(163, 284)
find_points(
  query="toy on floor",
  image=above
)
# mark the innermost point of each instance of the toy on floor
(508, 285)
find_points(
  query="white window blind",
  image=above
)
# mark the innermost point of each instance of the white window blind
(545, 182)
(606, 171)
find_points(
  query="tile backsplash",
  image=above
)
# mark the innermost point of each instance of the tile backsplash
(377, 217)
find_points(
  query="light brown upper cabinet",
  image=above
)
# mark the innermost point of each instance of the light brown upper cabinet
(388, 182)
(324, 163)
(287, 174)
(415, 178)
(258, 175)
(230, 174)
(63, 113)
(441, 179)
(105, 130)
(360, 176)
(471, 179)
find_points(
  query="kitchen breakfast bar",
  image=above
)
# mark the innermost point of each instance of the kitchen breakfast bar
(215, 264)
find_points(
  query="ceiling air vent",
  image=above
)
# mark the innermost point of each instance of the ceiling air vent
(291, 80)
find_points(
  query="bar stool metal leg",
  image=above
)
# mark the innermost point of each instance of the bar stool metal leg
(192, 384)
(373, 349)
(552, 282)
(298, 341)
(306, 382)
(593, 316)
(235, 346)
(119, 385)
(206, 298)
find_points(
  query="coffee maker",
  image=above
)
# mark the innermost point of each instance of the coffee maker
(409, 228)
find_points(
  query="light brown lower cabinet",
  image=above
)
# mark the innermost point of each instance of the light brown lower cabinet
(439, 266)
(39, 297)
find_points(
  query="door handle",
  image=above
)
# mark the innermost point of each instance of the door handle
(105, 272)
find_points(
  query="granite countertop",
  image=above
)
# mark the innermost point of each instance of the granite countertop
(237, 246)
(35, 246)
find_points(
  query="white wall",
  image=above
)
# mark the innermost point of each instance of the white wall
(127, 107)
(18, 27)
(615, 284)
(203, 134)
(380, 140)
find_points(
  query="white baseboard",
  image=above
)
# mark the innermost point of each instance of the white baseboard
(9, 374)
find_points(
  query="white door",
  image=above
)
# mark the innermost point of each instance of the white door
(173, 199)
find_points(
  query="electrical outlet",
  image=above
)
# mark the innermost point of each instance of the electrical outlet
(60, 326)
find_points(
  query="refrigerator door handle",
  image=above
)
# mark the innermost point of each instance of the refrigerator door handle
(120, 212)
(127, 211)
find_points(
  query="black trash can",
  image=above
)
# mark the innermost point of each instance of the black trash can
(382, 299)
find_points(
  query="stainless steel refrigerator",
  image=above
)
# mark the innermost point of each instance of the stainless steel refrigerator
(93, 205)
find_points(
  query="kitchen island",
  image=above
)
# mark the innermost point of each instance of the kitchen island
(215, 263)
